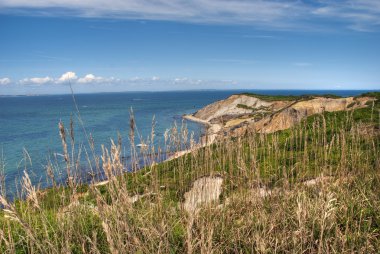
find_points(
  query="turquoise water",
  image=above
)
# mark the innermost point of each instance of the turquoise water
(31, 123)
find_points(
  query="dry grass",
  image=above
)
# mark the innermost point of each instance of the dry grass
(311, 189)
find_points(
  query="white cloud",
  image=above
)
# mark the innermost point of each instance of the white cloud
(5, 81)
(221, 11)
(180, 80)
(90, 78)
(68, 76)
(93, 83)
(41, 80)
(188, 81)
(360, 15)
(141, 83)
(37, 80)
(48, 80)
(269, 13)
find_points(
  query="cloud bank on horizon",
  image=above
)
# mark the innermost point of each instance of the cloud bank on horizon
(41, 85)
(69, 77)
(359, 15)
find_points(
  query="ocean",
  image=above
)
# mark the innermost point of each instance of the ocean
(29, 124)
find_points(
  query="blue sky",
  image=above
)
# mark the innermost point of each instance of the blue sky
(136, 45)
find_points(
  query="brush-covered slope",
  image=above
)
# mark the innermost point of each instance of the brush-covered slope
(313, 188)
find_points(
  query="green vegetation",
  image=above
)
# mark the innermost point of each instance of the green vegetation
(261, 108)
(371, 94)
(289, 97)
(243, 106)
(376, 95)
(314, 188)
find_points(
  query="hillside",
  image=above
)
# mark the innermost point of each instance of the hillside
(266, 114)
(311, 188)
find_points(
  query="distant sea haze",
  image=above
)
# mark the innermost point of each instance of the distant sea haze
(30, 123)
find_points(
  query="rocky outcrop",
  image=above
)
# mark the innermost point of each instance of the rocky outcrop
(230, 107)
(239, 112)
(293, 114)
(204, 191)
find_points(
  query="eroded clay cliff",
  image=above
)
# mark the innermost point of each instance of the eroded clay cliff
(239, 112)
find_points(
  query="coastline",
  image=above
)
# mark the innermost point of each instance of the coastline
(212, 128)
(208, 139)
(190, 102)
(213, 131)
(178, 154)
(192, 118)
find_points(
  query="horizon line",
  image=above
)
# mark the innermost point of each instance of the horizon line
(187, 90)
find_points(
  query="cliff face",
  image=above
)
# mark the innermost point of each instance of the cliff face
(239, 112)
(234, 106)
(289, 116)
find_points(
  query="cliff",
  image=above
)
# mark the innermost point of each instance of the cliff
(267, 114)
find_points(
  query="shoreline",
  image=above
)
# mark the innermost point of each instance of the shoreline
(211, 131)
(206, 140)
(178, 154)
(195, 119)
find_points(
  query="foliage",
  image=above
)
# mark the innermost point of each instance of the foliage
(290, 97)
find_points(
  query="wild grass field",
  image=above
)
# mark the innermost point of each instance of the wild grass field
(314, 188)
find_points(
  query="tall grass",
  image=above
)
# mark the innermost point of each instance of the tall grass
(314, 188)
